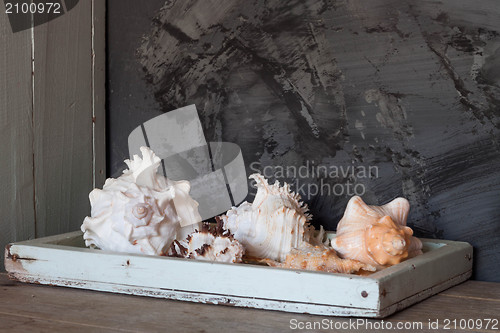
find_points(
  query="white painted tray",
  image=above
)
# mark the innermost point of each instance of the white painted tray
(63, 260)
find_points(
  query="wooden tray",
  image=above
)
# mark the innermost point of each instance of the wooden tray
(63, 260)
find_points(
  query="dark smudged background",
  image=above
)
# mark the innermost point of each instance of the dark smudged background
(410, 87)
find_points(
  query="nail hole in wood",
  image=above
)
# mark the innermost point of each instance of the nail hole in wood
(364, 294)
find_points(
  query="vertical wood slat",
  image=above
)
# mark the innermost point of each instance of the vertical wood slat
(52, 122)
(63, 112)
(17, 214)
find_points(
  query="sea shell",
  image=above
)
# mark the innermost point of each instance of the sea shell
(376, 235)
(140, 211)
(212, 243)
(319, 258)
(273, 224)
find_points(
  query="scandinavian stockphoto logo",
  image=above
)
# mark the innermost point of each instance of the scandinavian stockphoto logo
(216, 170)
(25, 14)
(312, 179)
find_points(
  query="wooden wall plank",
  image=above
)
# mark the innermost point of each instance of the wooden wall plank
(63, 130)
(17, 212)
(52, 122)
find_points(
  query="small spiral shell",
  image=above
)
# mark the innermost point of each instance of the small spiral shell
(141, 211)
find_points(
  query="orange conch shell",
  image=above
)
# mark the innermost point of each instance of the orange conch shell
(376, 235)
(319, 258)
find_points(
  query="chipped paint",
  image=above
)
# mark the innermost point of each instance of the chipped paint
(369, 296)
(13, 263)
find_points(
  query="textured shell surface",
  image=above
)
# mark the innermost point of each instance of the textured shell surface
(376, 235)
(320, 258)
(140, 211)
(273, 224)
(211, 244)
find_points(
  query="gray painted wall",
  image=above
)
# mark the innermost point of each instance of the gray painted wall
(409, 91)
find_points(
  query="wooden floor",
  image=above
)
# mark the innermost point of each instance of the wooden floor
(35, 308)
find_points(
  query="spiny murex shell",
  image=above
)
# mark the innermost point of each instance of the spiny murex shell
(140, 211)
(273, 224)
(319, 258)
(376, 235)
(211, 243)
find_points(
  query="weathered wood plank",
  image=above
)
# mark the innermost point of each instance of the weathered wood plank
(17, 322)
(17, 220)
(71, 310)
(476, 289)
(442, 307)
(63, 120)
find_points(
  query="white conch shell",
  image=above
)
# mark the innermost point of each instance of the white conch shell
(140, 211)
(211, 244)
(273, 224)
(320, 258)
(376, 235)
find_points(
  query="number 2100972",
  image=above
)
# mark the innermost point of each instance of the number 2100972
(33, 8)
(453, 324)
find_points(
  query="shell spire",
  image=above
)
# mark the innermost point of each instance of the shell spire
(280, 196)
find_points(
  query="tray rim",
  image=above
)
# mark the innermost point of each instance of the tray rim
(16, 259)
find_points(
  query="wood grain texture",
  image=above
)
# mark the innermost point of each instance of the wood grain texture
(52, 119)
(26, 307)
(481, 290)
(16, 136)
(63, 111)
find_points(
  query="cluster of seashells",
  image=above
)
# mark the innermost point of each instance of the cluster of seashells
(144, 212)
